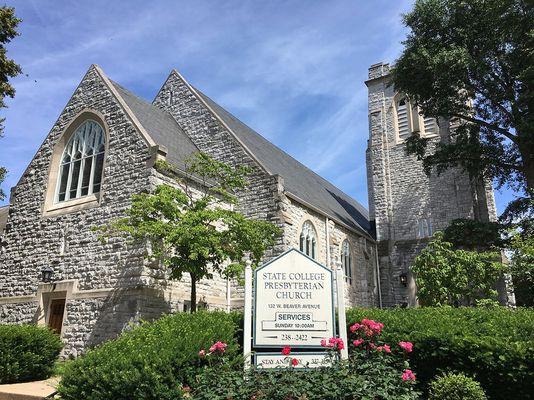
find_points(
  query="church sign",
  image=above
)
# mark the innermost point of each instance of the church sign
(293, 303)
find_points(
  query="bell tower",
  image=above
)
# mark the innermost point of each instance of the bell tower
(406, 205)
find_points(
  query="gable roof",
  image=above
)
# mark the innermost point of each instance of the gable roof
(161, 127)
(4, 211)
(299, 180)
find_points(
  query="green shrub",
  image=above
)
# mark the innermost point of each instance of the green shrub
(455, 387)
(27, 352)
(367, 375)
(494, 345)
(152, 361)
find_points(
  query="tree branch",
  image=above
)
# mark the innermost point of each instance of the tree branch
(495, 128)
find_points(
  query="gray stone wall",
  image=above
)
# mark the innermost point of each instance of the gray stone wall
(67, 241)
(262, 196)
(401, 194)
(362, 291)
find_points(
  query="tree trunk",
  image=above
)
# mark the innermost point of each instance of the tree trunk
(193, 293)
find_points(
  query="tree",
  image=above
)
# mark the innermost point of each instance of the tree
(522, 269)
(197, 232)
(470, 234)
(445, 276)
(8, 67)
(471, 62)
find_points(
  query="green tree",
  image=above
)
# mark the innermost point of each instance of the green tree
(197, 231)
(471, 62)
(8, 68)
(522, 269)
(445, 276)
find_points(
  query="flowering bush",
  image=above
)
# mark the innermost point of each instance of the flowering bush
(375, 371)
(493, 345)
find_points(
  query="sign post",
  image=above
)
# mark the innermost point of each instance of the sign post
(247, 323)
(342, 320)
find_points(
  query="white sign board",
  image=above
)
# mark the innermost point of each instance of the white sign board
(305, 360)
(294, 303)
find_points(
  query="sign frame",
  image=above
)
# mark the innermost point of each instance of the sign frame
(255, 295)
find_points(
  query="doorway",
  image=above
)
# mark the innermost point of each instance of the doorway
(55, 316)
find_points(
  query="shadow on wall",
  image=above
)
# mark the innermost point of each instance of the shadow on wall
(130, 302)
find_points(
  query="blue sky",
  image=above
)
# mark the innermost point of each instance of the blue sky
(292, 70)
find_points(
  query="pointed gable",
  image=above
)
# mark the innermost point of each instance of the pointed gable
(161, 127)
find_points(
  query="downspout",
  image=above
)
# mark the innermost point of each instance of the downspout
(327, 234)
(378, 277)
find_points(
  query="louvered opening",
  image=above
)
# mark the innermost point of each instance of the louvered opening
(431, 126)
(402, 119)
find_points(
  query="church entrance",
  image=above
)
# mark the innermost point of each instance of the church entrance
(55, 316)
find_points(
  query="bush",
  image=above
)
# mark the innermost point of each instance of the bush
(494, 345)
(152, 361)
(27, 352)
(373, 372)
(456, 387)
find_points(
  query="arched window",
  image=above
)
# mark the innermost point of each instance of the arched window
(425, 228)
(346, 261)
(403, 124)
(308, 240)
(80, 171)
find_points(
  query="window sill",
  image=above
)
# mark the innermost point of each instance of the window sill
(66, 207)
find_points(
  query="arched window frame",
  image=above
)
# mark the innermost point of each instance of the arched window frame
(82, 163)
(414, 121)
(346, 261)
(308, 239)
(51, 205)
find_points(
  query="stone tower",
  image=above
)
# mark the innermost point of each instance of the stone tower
(408, 206)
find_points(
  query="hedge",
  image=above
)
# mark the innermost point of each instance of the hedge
(27, 353)
(153, 361)
(495, 346)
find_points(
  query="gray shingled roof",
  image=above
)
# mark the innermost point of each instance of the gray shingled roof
(3, 218)
(161, 126)
(299, 180)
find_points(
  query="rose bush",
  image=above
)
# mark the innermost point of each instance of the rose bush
(375, 370)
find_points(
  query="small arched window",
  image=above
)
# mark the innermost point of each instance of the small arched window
(346, 261)
(308, 240)
(80, 171)
(425, 228)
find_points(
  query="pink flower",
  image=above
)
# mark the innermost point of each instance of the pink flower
(372, 345)
(406, 346)
(408, 375)
(202, 353)
(218, 347)
(357, 342)
(385, 348)
(286, 350)
(333, 343)
(355, 327)
(294, 362)
(373, 327)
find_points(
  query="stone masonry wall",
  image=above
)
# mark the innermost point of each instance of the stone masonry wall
(261, 198)
(401, 194)
(362, 291)
(66, 241)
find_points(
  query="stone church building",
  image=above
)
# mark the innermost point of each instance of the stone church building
(102, 149)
